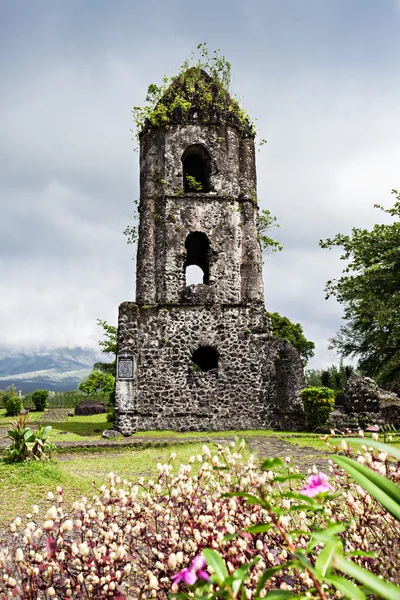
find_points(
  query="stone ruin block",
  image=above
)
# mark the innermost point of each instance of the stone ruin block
(201, 357)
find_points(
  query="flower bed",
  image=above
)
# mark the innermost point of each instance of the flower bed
(133, 538)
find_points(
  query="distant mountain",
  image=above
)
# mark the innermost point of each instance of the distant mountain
(59, 369)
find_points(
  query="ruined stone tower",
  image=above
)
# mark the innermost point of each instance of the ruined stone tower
(200, 357)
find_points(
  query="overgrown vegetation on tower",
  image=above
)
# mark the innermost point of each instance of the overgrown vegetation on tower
(200, 91)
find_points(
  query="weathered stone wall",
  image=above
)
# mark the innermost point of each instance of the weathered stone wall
(364, 403)
(249, 390)
(227, 214)
(258, 380)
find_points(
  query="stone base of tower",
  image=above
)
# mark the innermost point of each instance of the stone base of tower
(252, 381)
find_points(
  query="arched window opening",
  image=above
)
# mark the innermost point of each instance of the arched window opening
(196, 170)
(194, 275)
(197, 253)
(206, 358)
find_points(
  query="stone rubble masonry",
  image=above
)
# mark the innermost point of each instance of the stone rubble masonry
(365, 403)
(258, 380)
(257, 384)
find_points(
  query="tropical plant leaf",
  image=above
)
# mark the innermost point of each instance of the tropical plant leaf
(380, 488)
(325, 557)
(214, 560)
(383, 589)
(348, 588)
(391, 450)
(267, 574)
(269, 463)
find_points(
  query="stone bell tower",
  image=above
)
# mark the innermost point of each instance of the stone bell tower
(200, 357)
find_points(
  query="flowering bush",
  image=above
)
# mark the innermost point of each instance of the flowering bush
(262, 532)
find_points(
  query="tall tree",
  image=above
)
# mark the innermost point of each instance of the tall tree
(369, 290)
(285, 329)
(97, 382)
(108, 346)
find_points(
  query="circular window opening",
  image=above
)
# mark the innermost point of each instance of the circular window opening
(205, 358)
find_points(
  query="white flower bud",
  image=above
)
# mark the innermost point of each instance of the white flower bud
(83, 549)
(172, 561)
(153, 582)
(67, 525)
(19, 555)
(51, 513)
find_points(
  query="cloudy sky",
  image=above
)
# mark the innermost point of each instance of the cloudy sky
(321, 77)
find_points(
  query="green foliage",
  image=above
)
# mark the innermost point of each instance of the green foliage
(334, 377)
(68, 399)
(13, 405)
(97, 383)
(284, 329)
(108, 346)
(318, 404)
(265, 222)
(369, 290)
(11, 401)
(27, 444)
(203, 82)
(40, 399)
(193, 184)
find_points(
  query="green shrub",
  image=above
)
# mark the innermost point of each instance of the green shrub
(40, 399)
(13, 405)
(318, 404)
(27, 444)
(111, 408)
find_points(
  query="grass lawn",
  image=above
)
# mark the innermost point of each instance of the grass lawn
(79, 427)
(26, 484)
(5, 421)
(22, 485)
(90, 428)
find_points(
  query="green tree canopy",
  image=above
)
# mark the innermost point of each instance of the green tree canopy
(284, 329)
(369, 290)
(334, 377)
(108, 346)
(97, 382)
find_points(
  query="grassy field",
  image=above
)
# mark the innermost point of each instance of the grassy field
(79, 428)
(26, 484)
(5, 421)
(22, 485)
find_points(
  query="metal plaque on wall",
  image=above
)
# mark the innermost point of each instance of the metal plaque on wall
(125, 367)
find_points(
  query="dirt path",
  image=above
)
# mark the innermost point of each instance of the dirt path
(271, 446)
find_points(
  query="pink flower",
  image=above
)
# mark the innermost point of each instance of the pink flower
(316, 484)
(193, 573)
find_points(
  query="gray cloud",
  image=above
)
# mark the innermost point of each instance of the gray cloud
(325, 94)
